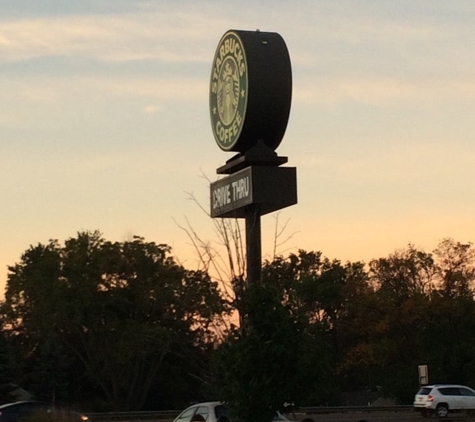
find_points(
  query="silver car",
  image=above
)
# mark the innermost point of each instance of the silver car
(444, 398)
(214, 411)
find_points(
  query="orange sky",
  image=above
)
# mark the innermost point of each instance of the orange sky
(104, 122)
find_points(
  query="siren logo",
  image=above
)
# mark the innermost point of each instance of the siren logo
(228, 91)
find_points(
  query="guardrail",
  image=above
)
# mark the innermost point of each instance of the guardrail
(352, 409)
(134, 416)
(297, 415)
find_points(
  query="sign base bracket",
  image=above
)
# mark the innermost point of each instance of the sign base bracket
(259, 155)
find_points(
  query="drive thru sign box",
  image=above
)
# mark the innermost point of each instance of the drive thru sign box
(272, 188)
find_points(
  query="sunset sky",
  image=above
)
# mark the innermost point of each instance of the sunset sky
(104, 121)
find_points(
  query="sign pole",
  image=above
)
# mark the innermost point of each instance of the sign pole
(253, 245)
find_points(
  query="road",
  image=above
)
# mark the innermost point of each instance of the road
(334, 416)
(402, 416)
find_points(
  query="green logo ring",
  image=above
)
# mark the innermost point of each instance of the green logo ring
(228, 91)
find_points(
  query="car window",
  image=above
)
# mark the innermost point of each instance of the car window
(449, 391)
(7, 410)
(424, 391)
(186, 415)
(466, 392)
(26, 408)
(203, 411)
(36, 406)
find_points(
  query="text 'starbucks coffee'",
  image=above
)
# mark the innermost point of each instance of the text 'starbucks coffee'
(228, 96)
(250, 90)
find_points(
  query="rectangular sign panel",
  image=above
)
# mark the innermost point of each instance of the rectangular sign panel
(271, 188)
(231, 193)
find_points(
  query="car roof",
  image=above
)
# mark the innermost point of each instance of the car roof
(444, 385)
(3, 406)
(207, 403)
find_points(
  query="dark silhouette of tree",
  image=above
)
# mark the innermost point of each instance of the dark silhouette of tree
(123, 324)
(267, 364)
(119, 309)
(456, 263)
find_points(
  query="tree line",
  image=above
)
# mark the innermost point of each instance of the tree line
(106, 325)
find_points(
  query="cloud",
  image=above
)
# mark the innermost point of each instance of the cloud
(151, 109)
(383, 91)
(175, 36)
(62, 88)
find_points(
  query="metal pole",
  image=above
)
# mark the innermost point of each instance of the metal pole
(253, 245)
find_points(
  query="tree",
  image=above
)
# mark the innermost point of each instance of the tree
(9, 367)
(404, 273)
(386, 340)
(120, 309)
(456, 263)
(408, 321)
(265, 365)
(285, 352)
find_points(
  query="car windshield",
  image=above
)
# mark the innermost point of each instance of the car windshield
(424, 391)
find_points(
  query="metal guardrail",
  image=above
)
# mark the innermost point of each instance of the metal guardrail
(171, 414)
(134, 416)
(352, 409)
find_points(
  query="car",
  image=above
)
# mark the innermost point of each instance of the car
(440, 399)
(214, 411)
(22, 410)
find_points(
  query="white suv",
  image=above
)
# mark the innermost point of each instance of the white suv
(444, 398)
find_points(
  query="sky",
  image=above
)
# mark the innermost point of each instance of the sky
(105, 125)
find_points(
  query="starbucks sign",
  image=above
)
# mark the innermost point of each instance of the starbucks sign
(250, 90)
(228, 92)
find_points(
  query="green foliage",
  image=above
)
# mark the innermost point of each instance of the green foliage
(9, 368)
(118, 310)
(121, 325)
(262, 364)
(408, 309)
(413, 315)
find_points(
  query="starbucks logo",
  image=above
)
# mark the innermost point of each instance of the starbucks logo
(228, 91)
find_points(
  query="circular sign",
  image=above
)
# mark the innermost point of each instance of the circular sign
(228, 91)
(250, 90)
